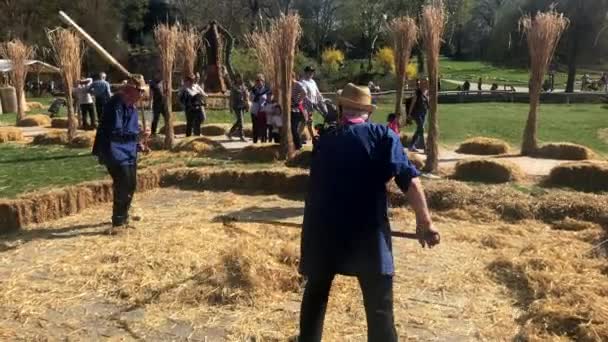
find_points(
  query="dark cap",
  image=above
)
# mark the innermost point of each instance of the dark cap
(309, 69)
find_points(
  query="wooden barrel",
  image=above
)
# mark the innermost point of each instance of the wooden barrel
(8, 97)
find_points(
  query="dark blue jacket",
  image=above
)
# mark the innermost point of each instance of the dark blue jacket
(346, 227)
(118, 134)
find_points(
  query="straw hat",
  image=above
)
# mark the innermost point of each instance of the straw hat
(136, 81)
(354, 97)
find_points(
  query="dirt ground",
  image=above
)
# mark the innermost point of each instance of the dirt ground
(202, 267)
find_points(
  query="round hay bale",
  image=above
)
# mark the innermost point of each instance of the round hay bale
(487, 171)
(157, 142)
(590, 176)
(8, 97)
(35, 106)
(416, 160)
(51, 138)
(10, 134)
(38, 120)
(260, 154)
(564, 151)
(200, 145)
(302, 160)
(484, 146)
(214, 130)
(179, 128)
(59, 123)
(85, 140)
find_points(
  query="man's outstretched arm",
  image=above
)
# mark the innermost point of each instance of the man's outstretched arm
(427, 235)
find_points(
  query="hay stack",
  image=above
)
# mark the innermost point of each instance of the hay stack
(215, 130)
(416, 160)
(18, 53)
(564, 151)
(404, 32)
(84, 140)
(38, 120)
(487, 171)
(200, 145)
(260, 154)
(157, 142)
(300, 160)
(433, 25)
(10, 134)
(35, 106)
(484, 146)
(59, 123)
(543, 31)
(178, 129)
(584, 176)
(51, 138)
(68, 51)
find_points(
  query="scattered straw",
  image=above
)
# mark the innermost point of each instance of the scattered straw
(484, 146)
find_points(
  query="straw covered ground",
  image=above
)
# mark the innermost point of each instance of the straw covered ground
(223, 266)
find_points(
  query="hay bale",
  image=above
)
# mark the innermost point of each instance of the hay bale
(564, 151)
(157, 142)
(260, 154)
(178, 129)
(214, 130)
(38, 120)
(200, 145)
(85, 140)
(10, 134)
(588, 176)
(484, 146)
(59, 123)
(416, 160)
(488, 171)
(35, 106)
(51, 138)
(301, 160)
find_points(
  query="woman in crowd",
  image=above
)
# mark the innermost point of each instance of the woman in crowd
(417, 111)
(260, 95)
(192, 96)
(239, 103)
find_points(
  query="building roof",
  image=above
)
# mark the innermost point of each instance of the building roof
(35, 66)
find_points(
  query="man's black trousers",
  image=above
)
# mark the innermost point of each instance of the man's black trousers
(124, 184)
(377, 298)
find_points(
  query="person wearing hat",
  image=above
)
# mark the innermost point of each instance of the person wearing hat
(346, 228)
(117, 143)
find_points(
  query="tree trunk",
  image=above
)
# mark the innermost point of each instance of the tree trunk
(572, 57)
(72, 123)
(399, 96)
(530, 142)
(432, 144)
(20, 103)
(169, 133)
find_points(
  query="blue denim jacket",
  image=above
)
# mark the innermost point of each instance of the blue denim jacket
(346, 227)
(118, 134)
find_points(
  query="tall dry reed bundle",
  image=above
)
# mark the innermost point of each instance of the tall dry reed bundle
(166, 37)
(404, 32)
(288, 32)
(18, 53)
(543, 31)
(68, 50)
(262, 44)
(433, 24)
(190, 43)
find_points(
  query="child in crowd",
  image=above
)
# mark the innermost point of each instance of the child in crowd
(393, 122)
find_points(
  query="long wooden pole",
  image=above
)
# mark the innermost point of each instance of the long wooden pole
(93, 43)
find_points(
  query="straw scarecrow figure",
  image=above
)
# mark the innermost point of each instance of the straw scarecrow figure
(166, 37)
(404, 32)
(68, 50)
(543, 32)
(18, 53)
(433, 24)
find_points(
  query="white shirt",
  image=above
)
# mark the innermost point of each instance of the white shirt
(313, 95)
(82, 93)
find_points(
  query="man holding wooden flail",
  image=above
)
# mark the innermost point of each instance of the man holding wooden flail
(116, 146)
(346, 227)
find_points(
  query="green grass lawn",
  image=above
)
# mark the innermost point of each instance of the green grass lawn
(25, 168)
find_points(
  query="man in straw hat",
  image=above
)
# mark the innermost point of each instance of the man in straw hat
(116, 146)
(346, 228)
